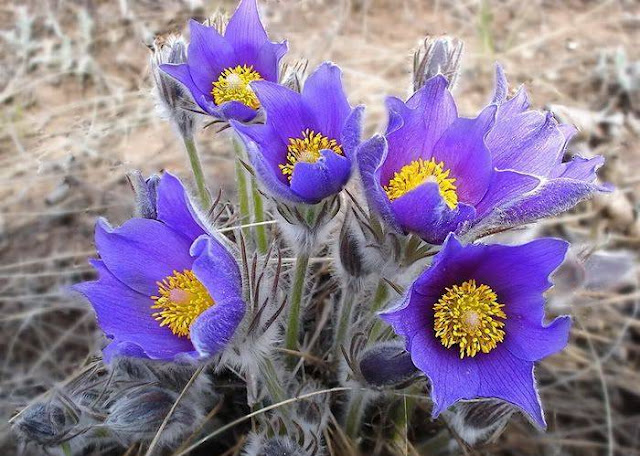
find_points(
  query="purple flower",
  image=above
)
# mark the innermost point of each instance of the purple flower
(166, 287)
(303, 152)
(219, 68)
(474, 322)
(501, 168)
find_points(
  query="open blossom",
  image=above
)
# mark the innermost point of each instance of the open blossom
(219, 68)
(474, 322)
(304, 151)
(166, 287)
(501, 168)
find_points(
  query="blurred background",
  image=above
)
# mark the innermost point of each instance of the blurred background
(77, 116)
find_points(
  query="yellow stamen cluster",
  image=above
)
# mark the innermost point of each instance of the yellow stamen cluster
(233, 85)
(417, 173)
(181, 299)
(307, 149)
(470, 316)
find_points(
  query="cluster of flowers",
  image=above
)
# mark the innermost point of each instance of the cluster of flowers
(172, 288)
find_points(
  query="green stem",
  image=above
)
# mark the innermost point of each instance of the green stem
(258, 217)
(355, 410)
(379, 300)
(402, 413)
(198, 174)
(345, 315)
(243, 193)
(295, 305)
(271, 381)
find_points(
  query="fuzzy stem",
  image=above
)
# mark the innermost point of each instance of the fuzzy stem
(345, 313)
(243, 193)
(355, 411)
(271, 381)
(198, 174)
(379, 300)
(258, 217)
(402, 413)
(295, 305)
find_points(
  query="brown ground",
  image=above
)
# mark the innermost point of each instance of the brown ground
(76, 116)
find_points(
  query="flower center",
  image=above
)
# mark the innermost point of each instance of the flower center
(417, 173)
(307, 149)
(233, 85)
(468, 315)
(181, 299)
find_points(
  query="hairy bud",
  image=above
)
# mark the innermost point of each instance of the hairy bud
(46, 423)
(138, 415)
(145, 194)
(437, 56)
(386, 364)
(479, 422)
(275, 446)
(172, 100)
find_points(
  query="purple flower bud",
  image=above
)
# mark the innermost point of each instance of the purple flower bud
(386, 364)
(437, 56)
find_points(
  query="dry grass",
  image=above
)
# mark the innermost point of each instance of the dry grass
(76, 116)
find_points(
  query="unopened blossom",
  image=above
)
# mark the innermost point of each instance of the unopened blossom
(166, 286)
(220, 68)
(434, 172)
(304, 151)
(474, 322)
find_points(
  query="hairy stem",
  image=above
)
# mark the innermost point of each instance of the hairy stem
(379, 300)
(243, 193)
(258, 217)
(345, 313)
(355, 411)
(295, 304)
(198, 174)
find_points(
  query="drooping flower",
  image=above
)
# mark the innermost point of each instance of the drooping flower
(434, 172)
(304, 151)
(219, 68)
(167, 287)
(474, 322)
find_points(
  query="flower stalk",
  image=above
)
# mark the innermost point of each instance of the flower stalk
(295, 305)
(243, 193)
(196, 168)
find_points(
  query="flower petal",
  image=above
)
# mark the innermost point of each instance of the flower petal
(126, 315)
(245, 31)
(323, 95)
(174, 208)
(215, 327)
(529, 142)
(142, 252)
(549, 339)
(463, 151)
(431, 111)
(286, 112)
(351, 135)
(371, 155)
(550, 198)
(216, 268)
(265, 157)
(182, 74)
(267, 61)
(505, 187)
(209, 54)
(506, 377)
(315, 181)
(424, 212)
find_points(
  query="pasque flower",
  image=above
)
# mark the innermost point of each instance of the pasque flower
(219, 68)
(473, 322)
(304, 151)
(167, 287)
(434, 172)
